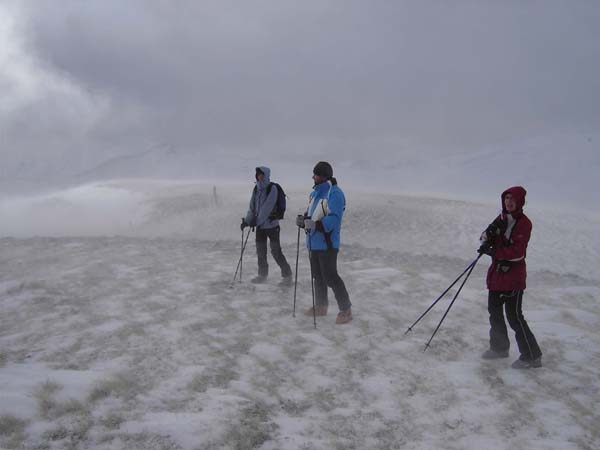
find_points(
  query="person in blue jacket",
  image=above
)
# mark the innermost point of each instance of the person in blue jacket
(322, 222)
(259, 215)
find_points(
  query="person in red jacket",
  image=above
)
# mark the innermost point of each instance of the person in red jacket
(505, 240)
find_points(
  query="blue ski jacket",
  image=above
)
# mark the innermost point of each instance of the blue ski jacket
(332, 222)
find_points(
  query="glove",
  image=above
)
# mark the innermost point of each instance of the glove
(486, 249)
(300, 220)
(495, 228)
(243, 225)
(309, 224)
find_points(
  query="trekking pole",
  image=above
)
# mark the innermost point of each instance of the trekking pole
(312, 280)
(241, 253)
(440, 297)
(452, 302)
(296, 276)
(240, 260)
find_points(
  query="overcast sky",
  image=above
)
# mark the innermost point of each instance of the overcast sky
(82, 81)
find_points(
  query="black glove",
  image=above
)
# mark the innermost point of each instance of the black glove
(243, 225)
(310, 224)
(496, 228)
(300, 220)
(486, 249)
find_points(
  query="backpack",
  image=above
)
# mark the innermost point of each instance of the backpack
(280, 204)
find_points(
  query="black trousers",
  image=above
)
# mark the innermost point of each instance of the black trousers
(512, 302)
(323, 265)
(261, 250)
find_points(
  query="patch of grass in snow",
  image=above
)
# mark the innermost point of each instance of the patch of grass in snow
(56, 434)
(73, 432)
(112, 421)
(253, 429)
(124, 386)
(10, 424)
(326, 400)
(145, 441)
(49, 408)
(71, 406)
(294, 408)
(217, 378)
(346, 431)
(44, 394)
(11, 431)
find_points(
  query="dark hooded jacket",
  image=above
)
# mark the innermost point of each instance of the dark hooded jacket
(508, 270)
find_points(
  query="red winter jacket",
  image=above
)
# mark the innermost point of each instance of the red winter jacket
(511, 247)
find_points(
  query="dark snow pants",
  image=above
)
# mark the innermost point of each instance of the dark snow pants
(323, 264)
(512, 303)
(261, 250)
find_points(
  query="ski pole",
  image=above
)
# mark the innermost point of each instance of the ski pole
(452, 302)
(312, 280)
(240, 260)
(241, 254)
(440, 297)
(296, 276)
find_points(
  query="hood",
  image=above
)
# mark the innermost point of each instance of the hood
(267, 180)
(518, 193)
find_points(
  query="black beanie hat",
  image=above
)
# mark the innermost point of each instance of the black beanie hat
(323, 169)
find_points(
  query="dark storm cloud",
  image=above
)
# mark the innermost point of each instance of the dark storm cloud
(354, 76)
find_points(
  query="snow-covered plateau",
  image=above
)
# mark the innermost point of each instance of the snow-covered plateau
(119, 328)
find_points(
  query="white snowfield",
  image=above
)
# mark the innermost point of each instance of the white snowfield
(119, 329)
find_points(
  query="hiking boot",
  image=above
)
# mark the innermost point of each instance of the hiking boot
(493, 354)
(320, 311)
(344, 317)
(527, 363)
(258, 280)
(286, 281)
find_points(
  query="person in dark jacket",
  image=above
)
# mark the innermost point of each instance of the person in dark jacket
(260, 215)
(322, 222)
(505, 240)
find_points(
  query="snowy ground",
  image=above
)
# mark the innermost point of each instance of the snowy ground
(119, 330)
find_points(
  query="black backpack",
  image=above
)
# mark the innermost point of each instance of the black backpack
(280, 204)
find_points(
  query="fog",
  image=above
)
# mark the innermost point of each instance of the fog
(129, 135)
(456, 99)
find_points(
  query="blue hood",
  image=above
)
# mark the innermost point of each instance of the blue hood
(262, 185)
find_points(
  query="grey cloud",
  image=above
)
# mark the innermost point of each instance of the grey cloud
(354, 76)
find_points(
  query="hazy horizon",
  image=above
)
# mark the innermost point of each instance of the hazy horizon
(402, 95)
